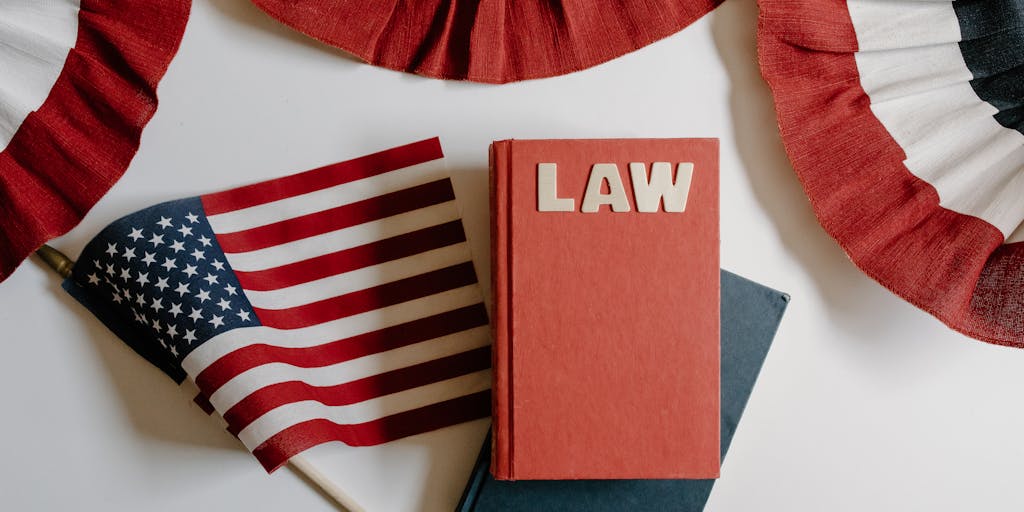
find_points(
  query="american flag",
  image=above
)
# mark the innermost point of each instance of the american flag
(339, 304)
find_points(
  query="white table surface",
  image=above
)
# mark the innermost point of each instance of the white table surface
(865, 403)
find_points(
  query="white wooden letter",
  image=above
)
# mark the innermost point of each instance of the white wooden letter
(547, 191)
(660, 188)
(616, 196)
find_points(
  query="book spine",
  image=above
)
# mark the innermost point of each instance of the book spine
(500, 363)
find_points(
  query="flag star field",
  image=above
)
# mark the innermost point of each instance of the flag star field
(162, 268)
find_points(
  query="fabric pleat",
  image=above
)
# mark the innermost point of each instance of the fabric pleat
(66, 152)
(493, 41)
(902, 121)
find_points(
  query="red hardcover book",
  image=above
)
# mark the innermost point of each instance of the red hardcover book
(606, 303)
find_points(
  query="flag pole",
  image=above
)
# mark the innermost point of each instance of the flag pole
(314, 477)
(62, 265)
(56, 260)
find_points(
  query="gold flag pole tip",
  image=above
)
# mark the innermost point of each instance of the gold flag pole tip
(56, 260)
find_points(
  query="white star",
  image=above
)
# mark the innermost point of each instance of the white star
(157, 305)
(205, 241)
(110, 269)
(185, 230)
(203, 296)
(163, 343)
(210, 278)
(129, 253)
(224, 305)
(190, 270)
(161, 283)
(217, 320)
(127, 294)
(190, 335)
(111, 249)
(125, 274)
(243, 315)
(156, 325)
(192, 218)
(182, 289)
(149, 258)
(94, 279)
(172, 331)
(196, 315)
(178, 246)
(198, 255)
(140, 299)
(168, 264)
(174, 351)
(143, 278)
(175, 310)
(136, 234)
(230, 289)
(217, 264)
(164, 222)
(117, 297)
(138, 317)
(157, 240)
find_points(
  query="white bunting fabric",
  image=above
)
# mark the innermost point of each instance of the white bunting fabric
(905, 123)
(78, 81)
(35, 38)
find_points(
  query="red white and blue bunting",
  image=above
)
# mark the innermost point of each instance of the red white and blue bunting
(78, 86)
(905, 123)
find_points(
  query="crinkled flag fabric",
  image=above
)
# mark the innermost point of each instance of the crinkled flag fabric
(494, 41)
(904, 120)
(78, 85)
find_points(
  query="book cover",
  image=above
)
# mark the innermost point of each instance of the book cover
(606, 308)
(750, 317)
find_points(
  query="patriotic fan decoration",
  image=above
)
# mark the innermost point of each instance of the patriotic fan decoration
(78, 85)
(339, 304)
(494, 42)
(905, 122)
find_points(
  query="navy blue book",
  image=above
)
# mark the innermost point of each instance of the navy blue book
(750, 316)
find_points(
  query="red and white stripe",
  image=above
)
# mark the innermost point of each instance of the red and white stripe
(911, 68)
(37, 37)
(903, 163)
(77, 87)
(373, 326)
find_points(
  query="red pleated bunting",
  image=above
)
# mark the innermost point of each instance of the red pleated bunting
(903, 121)
(82, 86)
(487, 41)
